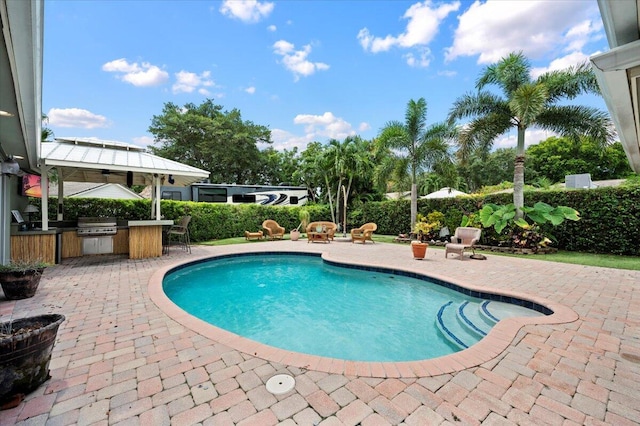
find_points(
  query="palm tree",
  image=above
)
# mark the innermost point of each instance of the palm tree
(528, 102)
(342, 162)
(414, 147)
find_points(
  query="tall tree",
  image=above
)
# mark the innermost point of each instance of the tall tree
(344, 161)
(206, 137)
(554, 158)
(278, 167)
(309, 173)
(416, 147)
(526, 103)
(488, 169)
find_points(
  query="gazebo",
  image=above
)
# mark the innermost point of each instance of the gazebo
(102, 161)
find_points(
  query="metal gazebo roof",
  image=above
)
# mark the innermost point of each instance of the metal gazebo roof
(93, 160)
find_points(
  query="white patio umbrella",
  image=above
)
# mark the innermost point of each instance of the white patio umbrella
(445, 192)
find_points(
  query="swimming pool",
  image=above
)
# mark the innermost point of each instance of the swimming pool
(303, 304)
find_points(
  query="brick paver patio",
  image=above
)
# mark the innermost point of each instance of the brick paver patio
(120, 359)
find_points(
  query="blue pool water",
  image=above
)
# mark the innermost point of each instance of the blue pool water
(303, 304)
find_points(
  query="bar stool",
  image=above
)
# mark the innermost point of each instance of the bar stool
(181, 233)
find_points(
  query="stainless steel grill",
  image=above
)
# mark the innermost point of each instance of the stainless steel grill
(96, 226)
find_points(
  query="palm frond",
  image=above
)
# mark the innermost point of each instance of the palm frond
(571, 82)
(527, 102)
(473, 105)
(508, 73)
(416, 117)
(393, 135)
(576, 120)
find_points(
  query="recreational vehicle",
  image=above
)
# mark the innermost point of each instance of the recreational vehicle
(268, 195)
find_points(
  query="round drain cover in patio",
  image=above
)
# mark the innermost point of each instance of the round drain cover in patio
(280, 383)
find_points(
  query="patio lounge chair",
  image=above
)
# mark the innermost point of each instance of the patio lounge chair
(363, 233)
(464, 239)
(273, 231)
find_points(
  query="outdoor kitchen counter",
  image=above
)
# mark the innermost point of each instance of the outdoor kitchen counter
(145, 238)
(34, 245)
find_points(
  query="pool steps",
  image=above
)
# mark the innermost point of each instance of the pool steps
(466, 323)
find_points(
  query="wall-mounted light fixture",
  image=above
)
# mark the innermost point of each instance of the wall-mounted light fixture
(10, 167)
(5, 114)
(29, 210)
(171, 180)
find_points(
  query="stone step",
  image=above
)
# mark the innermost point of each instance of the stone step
(494, 311)
(451, 328)
(468, 314)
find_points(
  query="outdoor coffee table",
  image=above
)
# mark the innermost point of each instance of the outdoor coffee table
(318, 236)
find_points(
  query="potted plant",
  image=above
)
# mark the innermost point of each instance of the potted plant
(20, 280)
(25, 351)
(419, 246)
(304, 216)
(426, 229)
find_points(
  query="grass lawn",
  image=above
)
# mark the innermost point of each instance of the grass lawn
(577, 258)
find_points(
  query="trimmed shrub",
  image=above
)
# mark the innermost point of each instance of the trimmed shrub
(609, 217)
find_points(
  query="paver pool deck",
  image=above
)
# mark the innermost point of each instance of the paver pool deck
(121, 359)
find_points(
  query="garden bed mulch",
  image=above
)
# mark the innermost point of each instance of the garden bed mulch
(515, 250)
(495, 249)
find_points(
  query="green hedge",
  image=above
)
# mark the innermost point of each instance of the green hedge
(208, 221)
(610, 216)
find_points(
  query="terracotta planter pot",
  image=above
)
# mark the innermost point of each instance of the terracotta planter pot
(25, 355)
(419, 249)
(20, 285)
(295, 235)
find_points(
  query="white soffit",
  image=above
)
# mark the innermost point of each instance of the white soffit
(617, 72)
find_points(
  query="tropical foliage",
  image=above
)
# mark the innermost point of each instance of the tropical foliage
(525, 103)
(556, 157)
(413, 147)
(527, 231)
(428, 227)
(206, 137)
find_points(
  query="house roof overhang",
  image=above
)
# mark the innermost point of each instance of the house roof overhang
(618, 73)
(21, 43)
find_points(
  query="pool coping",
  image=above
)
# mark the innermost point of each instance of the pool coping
(492, 345)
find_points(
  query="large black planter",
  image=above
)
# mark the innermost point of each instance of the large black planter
(20, 284)
(25, 353)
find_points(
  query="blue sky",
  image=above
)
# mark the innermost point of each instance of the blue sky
(308, 70)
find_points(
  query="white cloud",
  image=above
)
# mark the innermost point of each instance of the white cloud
(363, 127)
(143, 74)
(187, 82)
(272, 28)
(447, 73)
(562, 63)
(284, 140)
(423, 22)
(495, 28)
(422, 60)
(76, 117)
(250, 90)
(143, 141)
(249, 11)
(296, 60)
(324, 126)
